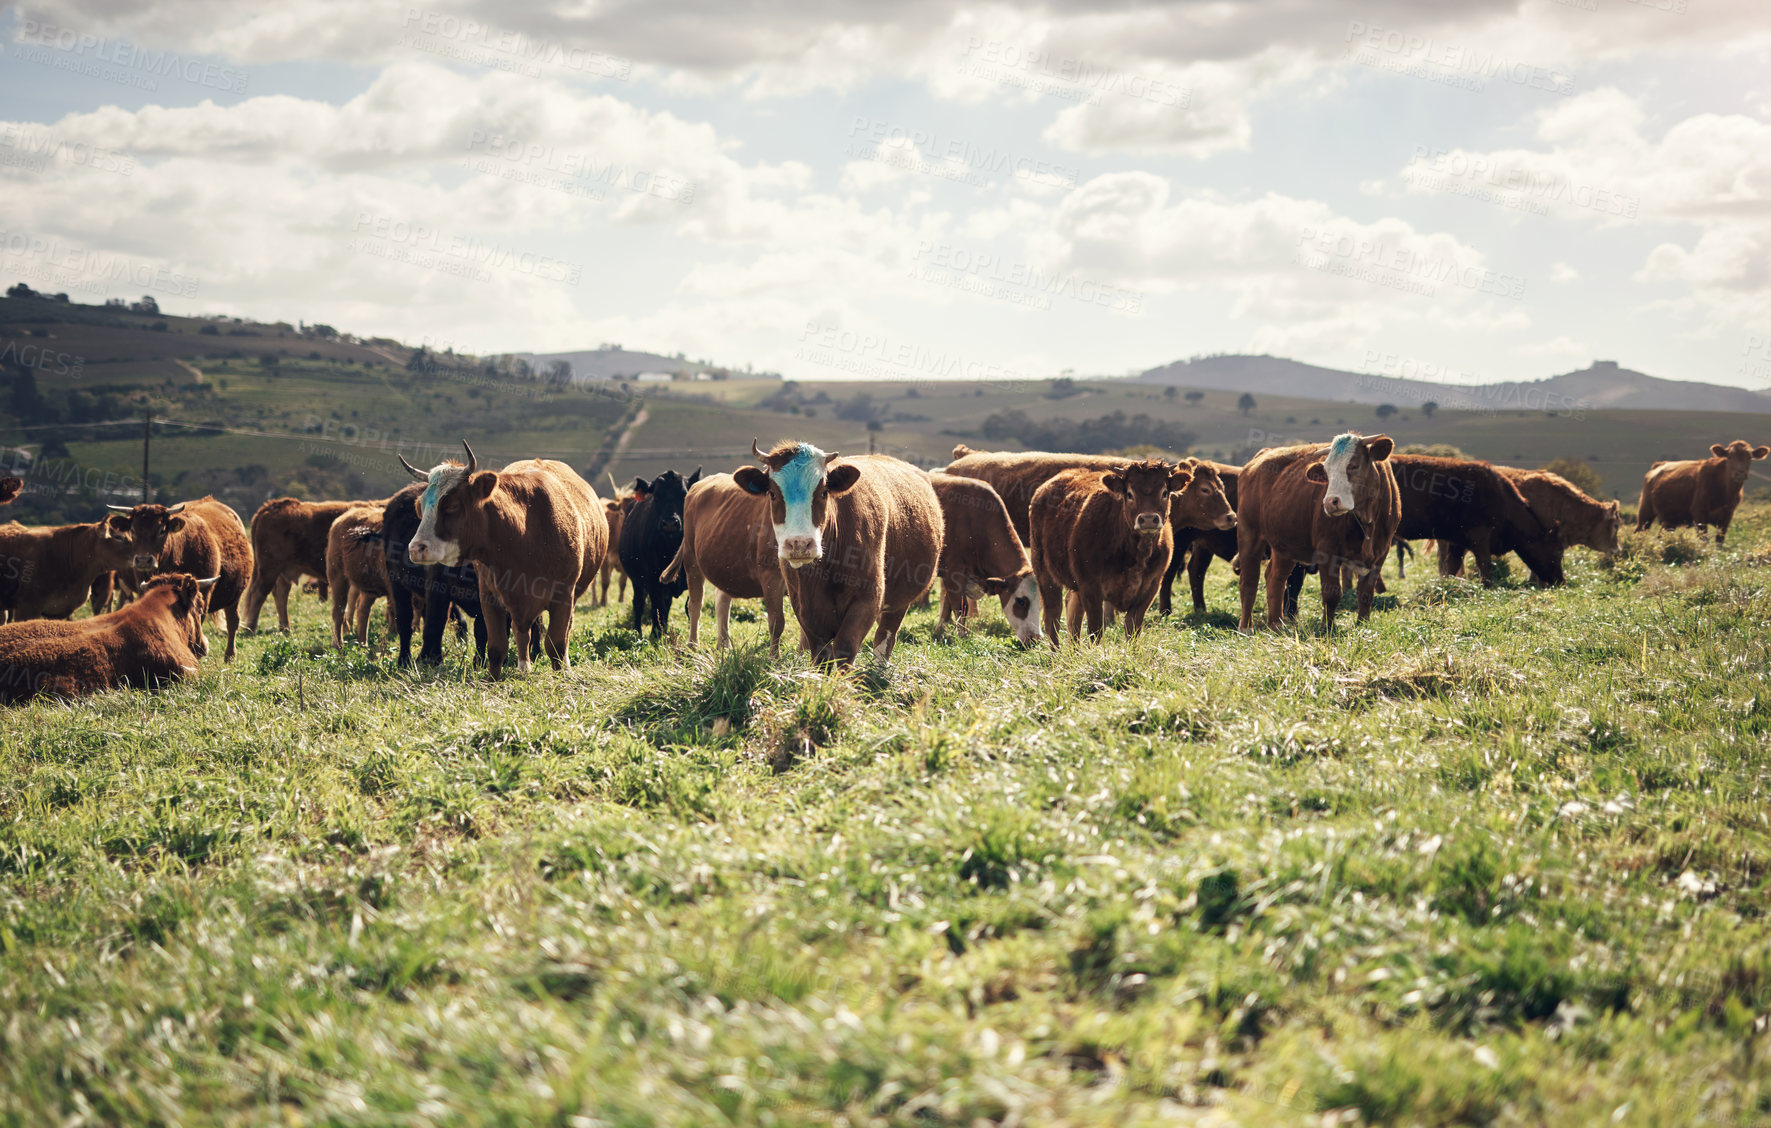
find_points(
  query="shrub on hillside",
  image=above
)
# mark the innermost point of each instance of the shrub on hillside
(1579, 471)
(1435, 450)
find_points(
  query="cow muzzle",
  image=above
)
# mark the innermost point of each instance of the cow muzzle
(1335, 507)
(142, 562)
(1148, 523)
(430, 552)
(1227, 521)
(799, 551)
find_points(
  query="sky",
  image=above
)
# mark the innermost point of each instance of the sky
(850, 189)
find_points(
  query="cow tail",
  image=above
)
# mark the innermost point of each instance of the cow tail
(675, 567)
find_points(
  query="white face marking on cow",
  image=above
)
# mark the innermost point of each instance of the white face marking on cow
(801, 541)
(426, 547)
(1338, 498)
(1027, 625)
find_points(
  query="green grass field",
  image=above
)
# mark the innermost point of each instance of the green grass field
(1496, 857)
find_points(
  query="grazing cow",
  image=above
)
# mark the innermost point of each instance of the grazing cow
(1465, 504)
(536, 535)
(158, 638)
(1584, 519)
(651, 533)
(201, 538)
(615, 509)
(289, 542)
(1699, 492)
(1105, 535)
(860, 540)
(1329, 506)
(981, 555)
(10, 488)
(356, 571)
(729, 542)
(438, 589)
(47, 572)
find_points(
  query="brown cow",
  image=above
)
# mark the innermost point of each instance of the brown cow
(729, 542)
(1105, 535)
(1197, 547)
(1699, 492)
(157, 638)
(1466, 504)
(1331, 506)
(47, 572)
(1584, 520)
(203, 538)
(10, 488)
(614, 509)
(536, 534)
(289, 542)
(981, 555)
(355, 564)
(859, 540)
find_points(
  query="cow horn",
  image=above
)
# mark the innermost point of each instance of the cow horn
(122, 508)
(413, 470)
(210, 580)
(757, 454)
(613, 484)
(472, 462)
(832, 457)
(179, 506)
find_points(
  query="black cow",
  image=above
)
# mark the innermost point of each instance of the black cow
(651, 533)
(436, 585)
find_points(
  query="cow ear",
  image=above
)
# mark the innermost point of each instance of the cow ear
(641, 487)
(1380, 447)
(695, 477)
(1761, 452)
(174, 524)
(1317, 473)
(1718, 450)
(996, 585)
(1179, 478)
(842, 479)
(116, 525)
(1113, 483)
(1613, 506)
(751, 480)
(484, 483)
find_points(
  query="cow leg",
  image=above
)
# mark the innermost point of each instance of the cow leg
(520, 629)
(1197, 565)
(886, 638)
(692, 606)
(1721, 531)
(365, 608)
(280, 595)
(1368, 585)
(497, 633)
(1051, 598)
(774, 604)
(1248, 583)
(1164, 595)
(1330, 576)
(559, 634)
(436, 621)
(1451, 558)
(660, 611)
(100, 592)
(479, 640)
(722, 619)
(1073, 615)
(851, 634)
(1294, 586)
(1090, 601)
(1134, 620)
(639, 609)
(1479, 548)
(620, 584)
(338, 613)
(399, 600)
(1401, 565)
(231, 614)
(1278, 573)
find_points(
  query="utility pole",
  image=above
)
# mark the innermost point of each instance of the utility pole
(147, 435)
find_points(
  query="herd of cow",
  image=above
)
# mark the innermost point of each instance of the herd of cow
(851, 543)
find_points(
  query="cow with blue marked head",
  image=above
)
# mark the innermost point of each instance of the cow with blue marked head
(859, 541)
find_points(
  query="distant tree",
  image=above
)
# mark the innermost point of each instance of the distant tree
(147, 305)
(859, 409)
(268, 360)
(1428, 408)
(20, 290)
(559, 372)
(875, 425)
(159, 326)
(324, 332)
(1194, 397)
(912, 393)
(1385, 410)
(1170, 392)
(56, 447)
(61, 297)
(1245, 403)
(1062, 388)
(1578, 471)
(209, 331)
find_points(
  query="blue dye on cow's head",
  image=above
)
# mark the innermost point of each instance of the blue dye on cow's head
(1348, 470)
(450, 491)
(800, 481)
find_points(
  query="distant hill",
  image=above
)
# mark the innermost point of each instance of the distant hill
(1605, 385)
(617, 363)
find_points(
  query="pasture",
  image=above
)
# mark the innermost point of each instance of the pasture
(1497, 857)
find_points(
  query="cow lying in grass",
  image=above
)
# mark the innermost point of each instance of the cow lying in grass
(157, 638)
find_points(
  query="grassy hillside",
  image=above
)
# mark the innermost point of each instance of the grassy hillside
(1498, 857)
